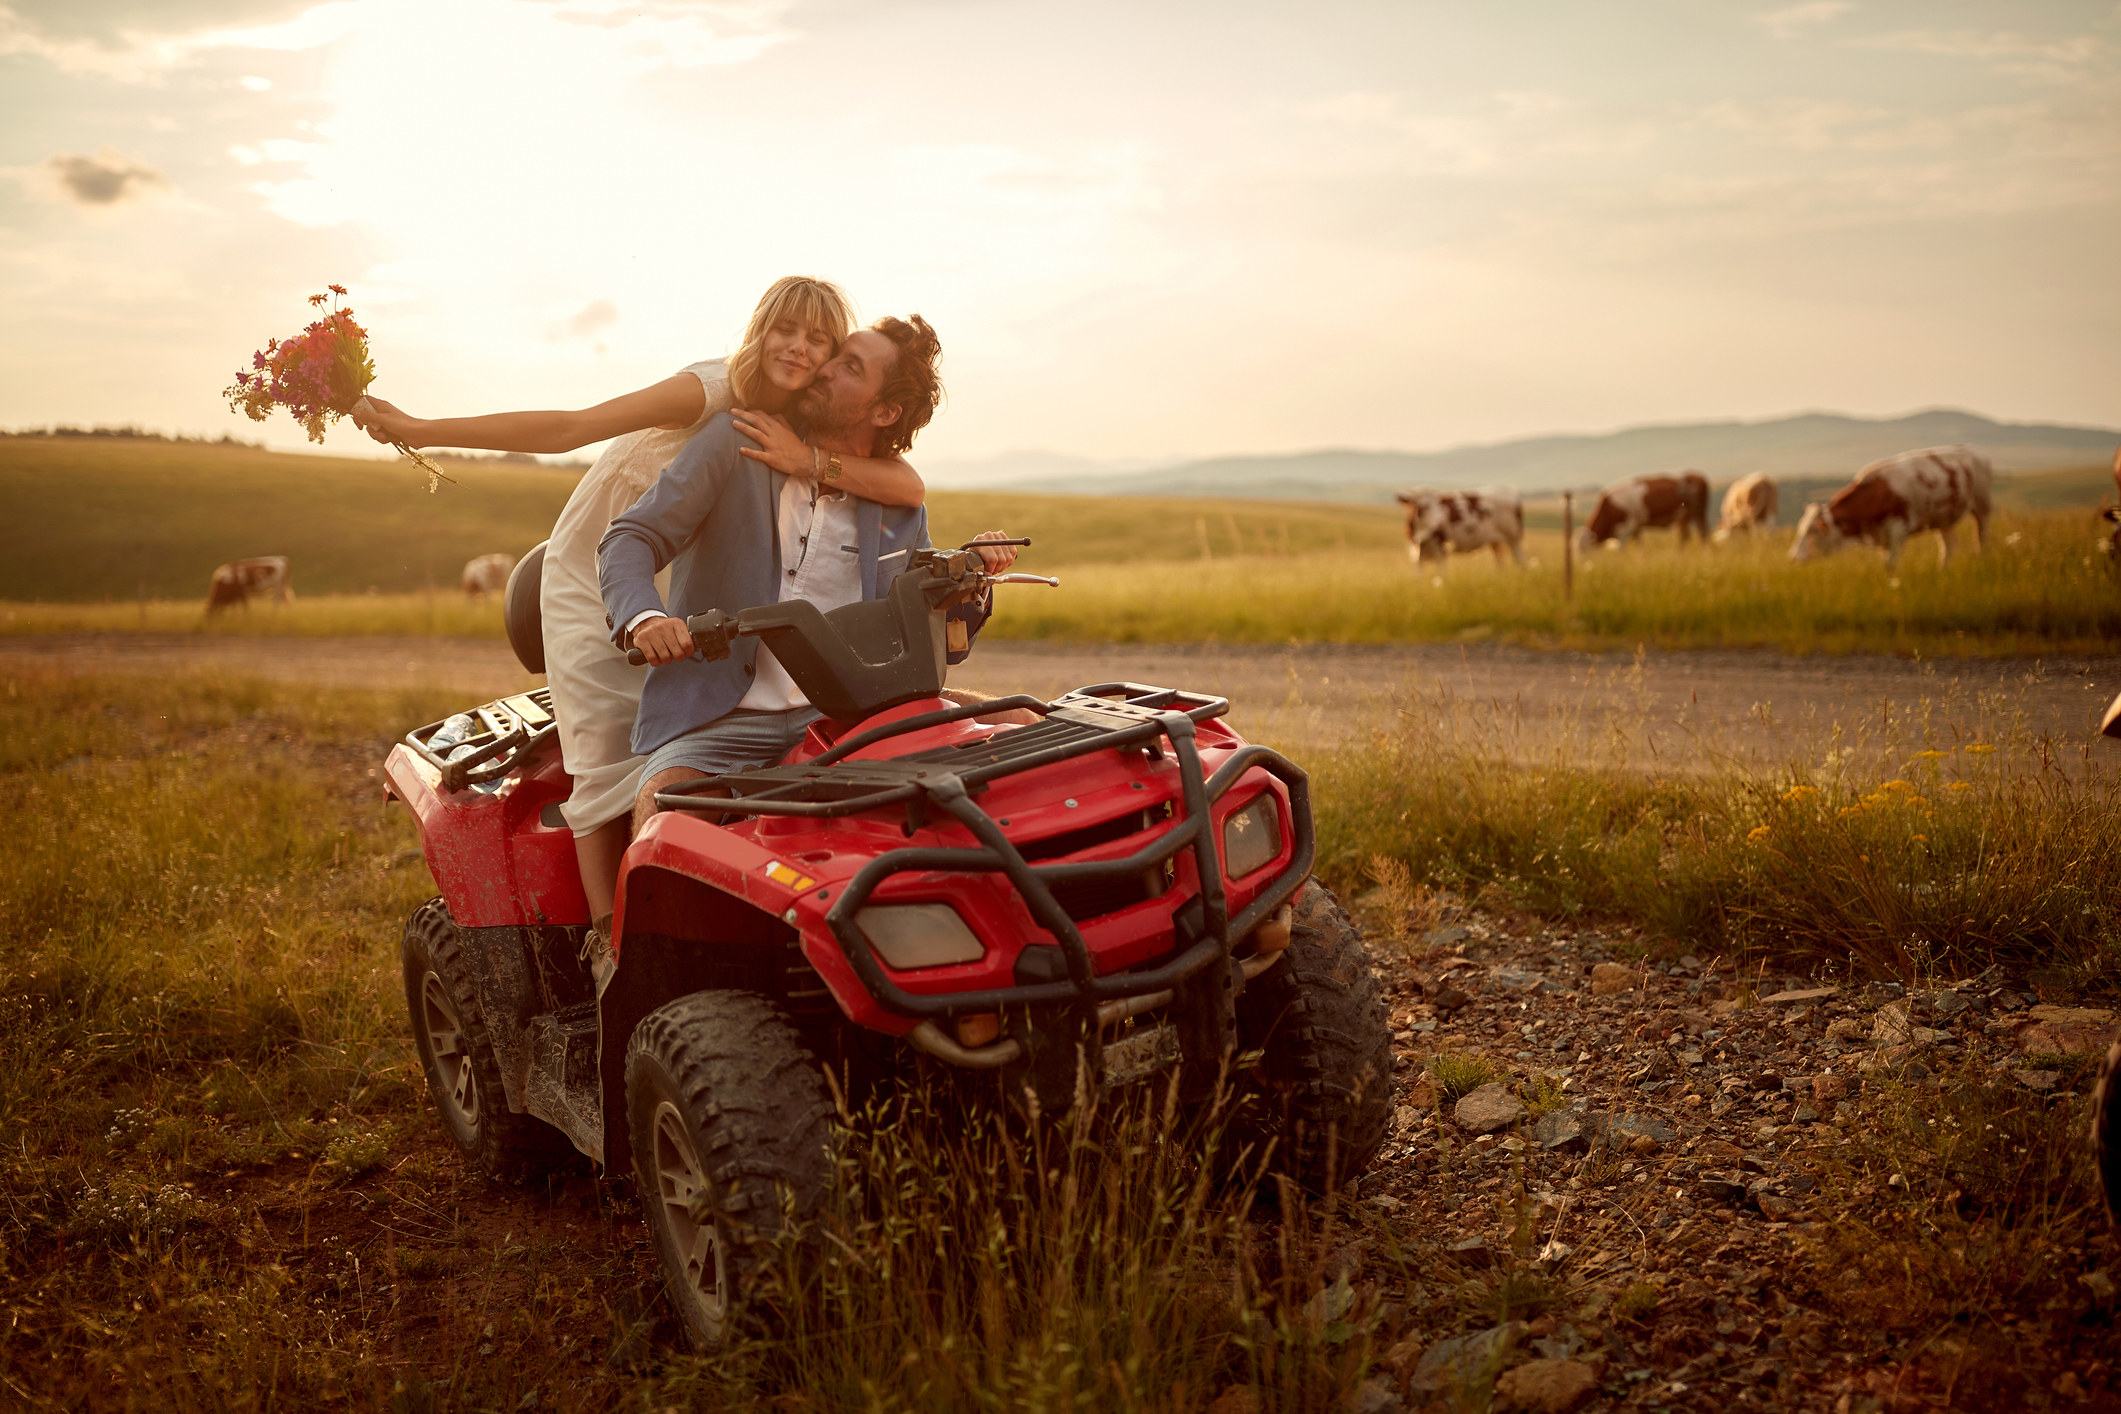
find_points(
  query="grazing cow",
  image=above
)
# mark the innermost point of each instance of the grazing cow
(1751, 504)
(236, 581)
(1645, 503)
(1896, 497)
(488, 574)
(1490, 518)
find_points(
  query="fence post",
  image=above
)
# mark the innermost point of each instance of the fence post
(1568, 544)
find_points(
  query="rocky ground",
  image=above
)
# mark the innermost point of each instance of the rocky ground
(1612, 1183)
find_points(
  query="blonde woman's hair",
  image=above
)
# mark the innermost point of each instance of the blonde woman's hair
(820, 304)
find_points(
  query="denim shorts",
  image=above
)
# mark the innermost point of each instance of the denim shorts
(736, 742)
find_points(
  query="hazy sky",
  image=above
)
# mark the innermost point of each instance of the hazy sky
(1141, 229)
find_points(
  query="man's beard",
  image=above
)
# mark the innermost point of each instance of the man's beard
(811, 414)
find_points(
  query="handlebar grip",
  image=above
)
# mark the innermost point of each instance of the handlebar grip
(636, 657)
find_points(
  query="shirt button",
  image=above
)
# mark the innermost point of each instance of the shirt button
(791, 574)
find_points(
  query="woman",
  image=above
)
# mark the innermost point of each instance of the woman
(797, 326)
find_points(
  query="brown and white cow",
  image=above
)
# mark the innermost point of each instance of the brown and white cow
(488, 574)
(236, 581)
(1899, 496)
(1489, 518)
(1646, 503)
(1751, 503)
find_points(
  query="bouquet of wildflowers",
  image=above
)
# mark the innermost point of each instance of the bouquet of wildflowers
(317, 375)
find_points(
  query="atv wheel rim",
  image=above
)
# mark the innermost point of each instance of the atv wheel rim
(679, 1182)
(456, 1088)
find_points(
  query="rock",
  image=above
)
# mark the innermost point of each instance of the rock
(1642, 1144)
(2041, 1081)
(1890, 1026)
(1723, 1190)
(1514, 980)
(1777, 1209)
(1721, 1150)
(1237, 1399)
(1450, 999)
(1403, 1356)
(1806, 994)
(1446, 937)
(1384, 1203)
(1330, 1304)
(1464, 1360)
(1422, 1094)
(1488, 1109)
(1845, 1028)
(1472, 1251)
(1545, 1386)
(1804, 1114)
(1828, 1088)
(2067, 1031)
(1943, 1002)
(1607, 978)
(1625, 1129)
(1376, 1396)
(1560, 1131)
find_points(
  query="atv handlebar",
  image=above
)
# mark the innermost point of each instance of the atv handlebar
(713, 631)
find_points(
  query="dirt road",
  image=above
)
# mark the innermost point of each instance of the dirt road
(1672, 710)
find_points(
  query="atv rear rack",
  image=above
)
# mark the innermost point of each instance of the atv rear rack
(506, 731)
(1105, 717)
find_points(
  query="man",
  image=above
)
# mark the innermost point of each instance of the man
(737, 540)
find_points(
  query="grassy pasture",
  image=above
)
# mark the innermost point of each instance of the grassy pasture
(91, 519)
(225, 1191)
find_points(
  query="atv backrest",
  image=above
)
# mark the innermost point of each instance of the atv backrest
(862, 658)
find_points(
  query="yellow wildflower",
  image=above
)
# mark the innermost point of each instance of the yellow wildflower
(1896, 785)
(1931, 755)
(1797, 793)
(1757, 833)
(1920, 839)
(1848, 811)
(1917, 802)
(1960, 785)
(1980, 749)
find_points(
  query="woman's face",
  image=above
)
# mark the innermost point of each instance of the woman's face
(794, 353)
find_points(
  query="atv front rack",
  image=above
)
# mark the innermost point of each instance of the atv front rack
(1105, 717)
(504, 733)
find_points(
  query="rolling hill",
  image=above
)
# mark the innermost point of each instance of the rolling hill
(1815, 446)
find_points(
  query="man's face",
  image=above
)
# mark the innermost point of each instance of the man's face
(843, 396)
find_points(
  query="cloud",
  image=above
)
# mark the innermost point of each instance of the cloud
(125, 53)
(597, 314)
(1793, 20)
(2061, 59)
(103, 180)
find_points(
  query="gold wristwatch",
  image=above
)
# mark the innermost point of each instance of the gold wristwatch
(833, 469)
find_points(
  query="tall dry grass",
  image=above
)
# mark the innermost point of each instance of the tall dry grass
(1902, 851)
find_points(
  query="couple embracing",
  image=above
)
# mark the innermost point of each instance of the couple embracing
(778, 473)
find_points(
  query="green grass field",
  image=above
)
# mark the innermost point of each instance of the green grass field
(101, 521)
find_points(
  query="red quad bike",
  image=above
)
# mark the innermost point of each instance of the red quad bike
(1120, 888)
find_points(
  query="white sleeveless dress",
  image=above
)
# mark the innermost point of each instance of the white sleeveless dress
(595, 691)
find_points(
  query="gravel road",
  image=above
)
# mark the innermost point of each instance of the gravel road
(1671, 710)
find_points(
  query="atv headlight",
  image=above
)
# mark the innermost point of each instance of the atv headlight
(914, 935)
(1252, 836)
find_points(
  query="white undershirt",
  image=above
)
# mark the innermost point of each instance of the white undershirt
(821, 561)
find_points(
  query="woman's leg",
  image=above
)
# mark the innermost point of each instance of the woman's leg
(598, 853)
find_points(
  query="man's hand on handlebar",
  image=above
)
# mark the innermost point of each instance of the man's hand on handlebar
(1001, 556)
(664, 640)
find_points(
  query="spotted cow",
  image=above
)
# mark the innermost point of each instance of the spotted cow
(488, 574)
(1438, 522)
(1750, 504)
(1899, 496)
(235, 582)
(1647, 503)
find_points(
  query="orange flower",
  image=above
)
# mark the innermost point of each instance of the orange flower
(336, 289)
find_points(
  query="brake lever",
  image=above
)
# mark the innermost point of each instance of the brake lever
(1023, 579)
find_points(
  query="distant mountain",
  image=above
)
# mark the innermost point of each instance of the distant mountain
(1813, 445)
(1020, 468)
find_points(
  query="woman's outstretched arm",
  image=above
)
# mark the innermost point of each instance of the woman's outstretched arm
(888, 481)
(677, 401)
